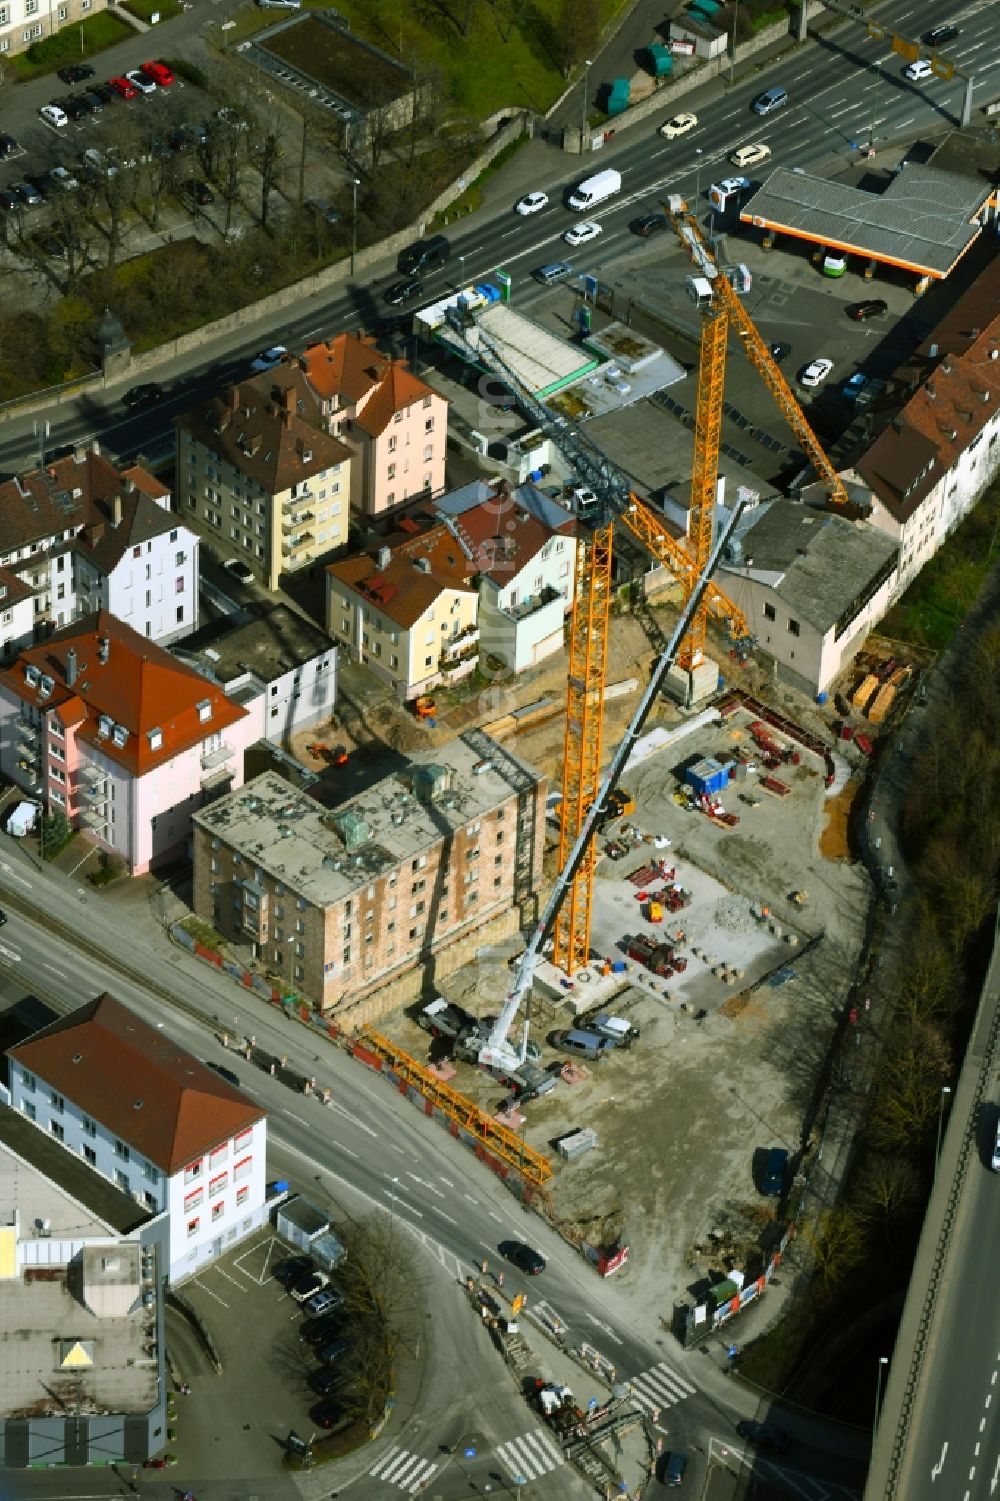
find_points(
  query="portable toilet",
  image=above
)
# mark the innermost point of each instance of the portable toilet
(660, 60)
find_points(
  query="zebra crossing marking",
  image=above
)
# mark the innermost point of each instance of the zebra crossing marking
(659, 1387)
(402, 1469)
(532, 1455)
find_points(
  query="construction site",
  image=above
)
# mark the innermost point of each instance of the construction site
(664, 1022)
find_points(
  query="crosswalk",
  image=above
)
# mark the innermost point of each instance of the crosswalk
(532, 1455)
(659, 1387)
(408, 1472)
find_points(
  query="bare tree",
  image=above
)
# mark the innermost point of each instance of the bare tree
(577, 29)
(837, 1244)
(886, 1188)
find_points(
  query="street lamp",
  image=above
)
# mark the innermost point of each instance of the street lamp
(732, 55)
(355, 185)
(461, 272)
(937, 1150)
(587, 65)
(697, 181)
(871, 118)
(883, 1361)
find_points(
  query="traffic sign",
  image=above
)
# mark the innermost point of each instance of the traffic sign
(470, 1452)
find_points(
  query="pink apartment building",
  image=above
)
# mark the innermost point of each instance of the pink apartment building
(128, 742)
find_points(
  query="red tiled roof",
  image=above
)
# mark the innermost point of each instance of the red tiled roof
(137, 1082)
(351, 369)
(70, 493)
(401, 590)
(140, 687)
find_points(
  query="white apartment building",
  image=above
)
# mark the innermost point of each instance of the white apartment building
(25, 21)
(162, 1127)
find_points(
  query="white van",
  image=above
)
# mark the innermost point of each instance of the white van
(594, 190)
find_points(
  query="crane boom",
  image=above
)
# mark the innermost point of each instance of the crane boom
(688, 231)
(497, 1051)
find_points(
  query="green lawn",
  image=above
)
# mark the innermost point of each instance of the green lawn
(509, 58)
(71, 44)
(932, 607)
(146, 9)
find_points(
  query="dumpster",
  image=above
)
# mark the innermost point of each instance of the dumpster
(659, 60)
(618, 96)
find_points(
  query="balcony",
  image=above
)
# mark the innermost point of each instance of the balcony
(532, 604)
(93, 776)
(211, 760)
(295, 545)
(461, 645)
(296, 520)
(93, 819)
(27, 730)
(291, 502)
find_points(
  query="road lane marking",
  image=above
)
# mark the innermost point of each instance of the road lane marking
(936, 1469)
(605, 1328)
(355, 1122)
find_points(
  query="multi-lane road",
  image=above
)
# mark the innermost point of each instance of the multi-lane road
(842, 91)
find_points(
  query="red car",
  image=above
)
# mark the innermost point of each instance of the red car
(158, 72)
(123, 87)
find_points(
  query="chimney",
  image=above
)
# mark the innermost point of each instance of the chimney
(384, 557)
(116, 511)
(234, 398)
(929, 388)
(289, 397)
(80, 454)
(129, 485)
(103, 649)
(71, 667)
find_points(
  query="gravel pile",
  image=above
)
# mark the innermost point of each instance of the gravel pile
(733, 912)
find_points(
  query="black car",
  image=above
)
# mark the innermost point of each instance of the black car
(402, 291)
(649, 224)
(324, 1381)
(8, 146)
(291, 1269)
(525, 1257)
(84, 101)
(871, 307)
(328, 1413)
(72, 107)
(93, 100)
(75, 72)
(779, 351)
(335, 1351)
(764, 1435)
(946, 32)
(39, 181)
(28, 193)
(199, 191)
(672, 1468)
(322, 1330)
(9, 202)
(320, 209)
(147, 395)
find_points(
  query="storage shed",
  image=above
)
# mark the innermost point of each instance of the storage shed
(308, 1229)
(708, 776)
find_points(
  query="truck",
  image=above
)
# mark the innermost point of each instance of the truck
(594, 190)
(442, 1019)
(22, 820)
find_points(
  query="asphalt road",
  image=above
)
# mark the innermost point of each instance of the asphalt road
(843, 89)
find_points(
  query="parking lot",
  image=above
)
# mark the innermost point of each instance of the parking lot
(234, 1424)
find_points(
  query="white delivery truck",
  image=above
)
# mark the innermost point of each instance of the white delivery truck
(593, 190)
(22, 820)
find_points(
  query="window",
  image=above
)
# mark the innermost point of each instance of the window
(57, 1130)
(121, 1180)
(770, 613)
(242, 1194)
(392, 472)
(793, 626)
(28, 1109)
(121, 1150)
(429, 425)
(88, 1126)
(56, 1100)
(192, 1227)
(392, 440)
(217, 1186)
(218, 1210)
(89, 1155)
(193, 1173)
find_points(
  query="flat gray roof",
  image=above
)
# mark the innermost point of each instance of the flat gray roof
(817, 562)
(268, 645)
(326, 854)
(920, 223)
(59, 1184)
(541, 360)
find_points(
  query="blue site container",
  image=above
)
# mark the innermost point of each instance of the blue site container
(821, 698)
(707, 776)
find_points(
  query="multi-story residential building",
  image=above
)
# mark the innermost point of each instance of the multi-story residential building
(811, 587)
(411, 613)
(523, 547)
(267, 483)
(351, 903)
(165, 1129)
(119, 735)
(395, 423)
(25, 21)
(80, 535)
(938, 449)
(277, 665)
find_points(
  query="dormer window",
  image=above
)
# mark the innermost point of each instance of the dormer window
(32, 676)
(119, 736)
(155, 738)
(204, 710)
(307, 456)
(105, 725)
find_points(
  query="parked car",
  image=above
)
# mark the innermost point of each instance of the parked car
(200, 193)
(308, 1286)
(50, 244)
(327, 1301)
(39, 181)
(673, 1467)
(104, 92)
(335, 1351)
(772, 1174)
(679, 125)
(28, 193)
(523, 1256)
(649, 224)
(139, 81)
(322, 210)
(531, 203)
(403, 291)
(816, 372)
(322, 1331)
(764, 1435)
(9, 202)
(329, 1413)
(291, 1269)
(268, 358)
(90, 102)
(869, 307)
(750, 156)
(834, 263)
(239, 570)
(157, 73)
(919, 72)
(853, 388)
(75, 72)
(123, 87)
(8, 146)
(779, 351)
(53, 115)
(580, 234)
(324, 1381)
(73, 108)
(62, 177)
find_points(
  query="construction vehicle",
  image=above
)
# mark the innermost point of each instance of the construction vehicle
(620, 804)
(443, 1019)
(424, 707)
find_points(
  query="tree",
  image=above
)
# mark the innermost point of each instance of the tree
(886, 1188)
(382, 1297)
(577, 32)
(266, 158)
(837, 1244)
